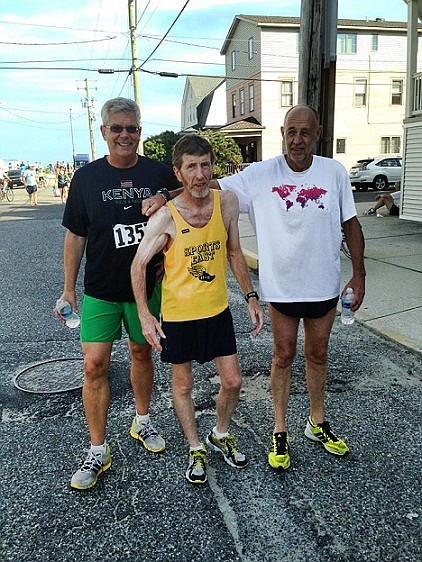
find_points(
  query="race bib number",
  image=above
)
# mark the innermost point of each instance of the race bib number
(128, 234)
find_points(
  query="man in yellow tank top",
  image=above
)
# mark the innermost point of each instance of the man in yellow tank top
(198, 233)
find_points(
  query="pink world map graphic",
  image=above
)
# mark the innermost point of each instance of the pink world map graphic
(303, 197)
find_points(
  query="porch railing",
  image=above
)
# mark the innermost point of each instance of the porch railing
(417, 94)
(234, 168)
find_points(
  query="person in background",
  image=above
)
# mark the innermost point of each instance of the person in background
(30, 181)
(198, 232)
(62, 183)
(390, 200)
(104, 221)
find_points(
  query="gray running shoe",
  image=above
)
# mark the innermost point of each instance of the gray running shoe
(148, 436)
(197, 469)
(93, 466)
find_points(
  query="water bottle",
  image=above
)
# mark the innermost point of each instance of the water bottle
(347, 314)
(66, 312)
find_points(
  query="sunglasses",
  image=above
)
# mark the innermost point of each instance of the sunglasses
(131, 129)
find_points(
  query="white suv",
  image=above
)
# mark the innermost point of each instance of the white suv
(377, 173)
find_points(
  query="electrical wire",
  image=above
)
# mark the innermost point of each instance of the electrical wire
(143, 12)
(165, 35)
(56, 43)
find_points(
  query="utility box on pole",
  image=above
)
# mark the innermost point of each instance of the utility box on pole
(317, 65)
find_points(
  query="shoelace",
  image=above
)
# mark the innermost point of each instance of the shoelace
(230, 443)
(92, 462)
(147, 430)
(327, 434)
(199, 460)
(280, 445)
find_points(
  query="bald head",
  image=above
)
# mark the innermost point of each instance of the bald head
(301, 131)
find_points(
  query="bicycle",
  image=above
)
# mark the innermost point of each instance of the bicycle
(6, 192)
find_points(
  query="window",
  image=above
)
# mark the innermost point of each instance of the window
(360, 92)
(233, 60)
(390, 145)
(346, 43)
(374, 42)
(397, 92)
(234, 105)
(250, 48)
(242, 101)
(251, 98)
(341, 146)
(286, 93)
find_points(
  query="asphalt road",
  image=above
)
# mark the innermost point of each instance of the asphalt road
(363, 508)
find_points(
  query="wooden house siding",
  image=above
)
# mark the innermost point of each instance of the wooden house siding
(412, 172)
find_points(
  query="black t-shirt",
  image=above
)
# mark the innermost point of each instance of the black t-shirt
(104, 205)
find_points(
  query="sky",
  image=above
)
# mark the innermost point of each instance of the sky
(50, 51)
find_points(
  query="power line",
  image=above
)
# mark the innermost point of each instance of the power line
(165, 35)
(56, 43)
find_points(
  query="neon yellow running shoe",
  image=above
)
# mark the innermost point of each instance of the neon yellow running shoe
(279, 457)
(322, 432)
(197, 469)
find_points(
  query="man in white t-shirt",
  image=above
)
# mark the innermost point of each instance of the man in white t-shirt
(298, 204)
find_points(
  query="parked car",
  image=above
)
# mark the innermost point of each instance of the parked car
(15, 177)
(377, 173)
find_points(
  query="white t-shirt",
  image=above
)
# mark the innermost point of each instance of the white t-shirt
(396, 198)
(297, 218)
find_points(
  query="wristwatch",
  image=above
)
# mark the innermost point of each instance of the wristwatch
(250, 295)
(165, 193)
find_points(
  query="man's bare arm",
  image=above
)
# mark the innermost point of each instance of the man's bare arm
(74, 248)
(356, 243)
(152, 204)
(236, 259)
(155, 239)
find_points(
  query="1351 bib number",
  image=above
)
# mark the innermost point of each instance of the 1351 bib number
(128, 234)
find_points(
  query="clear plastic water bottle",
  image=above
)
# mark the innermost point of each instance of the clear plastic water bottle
(347, 314)
(66, 312)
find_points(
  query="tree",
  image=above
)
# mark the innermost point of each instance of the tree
(226, 152)
(159, 147)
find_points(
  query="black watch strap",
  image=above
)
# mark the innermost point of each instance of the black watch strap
(250, 295)
(165, 193)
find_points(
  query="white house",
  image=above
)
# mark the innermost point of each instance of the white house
(203, 104)
(262, 59)
(411, 204)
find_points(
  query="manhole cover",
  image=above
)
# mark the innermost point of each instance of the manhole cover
(51, 376)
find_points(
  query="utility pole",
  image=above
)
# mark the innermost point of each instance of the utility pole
(317, 64)
(88, 103)
(134, 67)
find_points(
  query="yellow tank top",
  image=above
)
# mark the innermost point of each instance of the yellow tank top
(195, 279)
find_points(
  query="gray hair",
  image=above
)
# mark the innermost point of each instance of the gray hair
(119, 105)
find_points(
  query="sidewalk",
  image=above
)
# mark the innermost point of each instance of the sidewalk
(393, 261)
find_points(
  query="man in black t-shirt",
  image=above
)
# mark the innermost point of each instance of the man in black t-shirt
(103, 220)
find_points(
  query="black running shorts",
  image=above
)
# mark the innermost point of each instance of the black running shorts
(305, 309)
(198, 340)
